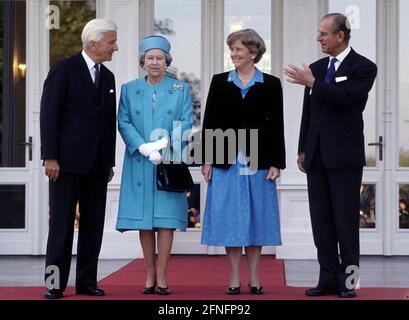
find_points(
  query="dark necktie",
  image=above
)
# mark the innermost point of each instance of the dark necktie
(96, 75)
(331, 71)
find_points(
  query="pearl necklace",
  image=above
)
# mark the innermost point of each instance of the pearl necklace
(242, 80)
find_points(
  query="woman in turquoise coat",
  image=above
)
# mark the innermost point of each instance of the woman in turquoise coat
(155, 114)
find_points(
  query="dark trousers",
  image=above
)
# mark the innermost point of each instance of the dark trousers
(334, 198)
(90, 190)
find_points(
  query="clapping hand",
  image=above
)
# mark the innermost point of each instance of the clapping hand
(299, 75)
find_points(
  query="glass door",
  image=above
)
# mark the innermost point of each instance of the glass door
(385, 189)
(362, 15)
(399, 211)
(180, 22)
(15, 145)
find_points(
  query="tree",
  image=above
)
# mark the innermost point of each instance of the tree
(66, 41)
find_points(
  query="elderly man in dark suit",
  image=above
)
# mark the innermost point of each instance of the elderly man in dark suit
(78, 134)
(331, 151)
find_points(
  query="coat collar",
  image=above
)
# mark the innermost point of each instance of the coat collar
(349, 60)
(344, 66)
(83, 71)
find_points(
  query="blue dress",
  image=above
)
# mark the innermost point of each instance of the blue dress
(241, 210)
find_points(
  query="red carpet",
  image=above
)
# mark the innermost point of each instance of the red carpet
(199, 278)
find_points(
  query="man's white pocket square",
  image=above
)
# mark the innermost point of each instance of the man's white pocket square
(111, 91)
(340, 79)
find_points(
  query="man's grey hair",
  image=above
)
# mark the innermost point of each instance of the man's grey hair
(94, 29)
(168, 58)
(340, 23)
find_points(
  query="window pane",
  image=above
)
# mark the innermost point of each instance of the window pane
(66, 41)
(403, 84)
(239, 14)
(12, 83)
(362, 15)
(180, 22)
(403, 206)
(193, 201)
(368, 206)
(12, 204)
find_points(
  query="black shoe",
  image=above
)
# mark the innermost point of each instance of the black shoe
(320, 291)
(347, 293)
(233, 290)
(256, 289)
(149, 290)
(53, 294)
(163, 291)
(91, 291)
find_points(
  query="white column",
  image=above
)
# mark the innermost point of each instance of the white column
(124, 65)
(37, 60)
(300, 24)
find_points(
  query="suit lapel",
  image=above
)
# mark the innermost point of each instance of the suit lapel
(85, 75)
(321, 70)
(103, 83)
(345, 65)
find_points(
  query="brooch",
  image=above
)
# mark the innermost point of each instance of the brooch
(177, 87)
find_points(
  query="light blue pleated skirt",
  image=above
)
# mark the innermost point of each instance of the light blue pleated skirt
(241, 210)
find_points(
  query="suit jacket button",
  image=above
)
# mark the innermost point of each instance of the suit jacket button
(139, 184)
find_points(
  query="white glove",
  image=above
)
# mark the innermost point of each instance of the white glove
(155, 157)
(149, 147)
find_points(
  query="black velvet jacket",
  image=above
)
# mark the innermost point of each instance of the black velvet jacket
(262, 109)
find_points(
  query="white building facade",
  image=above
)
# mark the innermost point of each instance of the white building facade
(197, 30)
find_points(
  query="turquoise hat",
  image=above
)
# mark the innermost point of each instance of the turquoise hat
(154, 42)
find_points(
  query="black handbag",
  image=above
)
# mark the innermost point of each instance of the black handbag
(173, 177)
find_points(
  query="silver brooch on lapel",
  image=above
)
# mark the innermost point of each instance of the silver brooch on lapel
(176, 86)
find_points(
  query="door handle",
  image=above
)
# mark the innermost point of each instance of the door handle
(29, 144)
(378, 144)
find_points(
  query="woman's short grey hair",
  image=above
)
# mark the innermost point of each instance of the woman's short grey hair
(251, 40)
(94, 29)
(168, 59)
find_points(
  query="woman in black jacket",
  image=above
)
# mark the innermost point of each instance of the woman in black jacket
(241, 205)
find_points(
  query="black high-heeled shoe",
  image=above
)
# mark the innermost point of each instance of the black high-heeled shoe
(256, 290)
(162, 291)
(233, 290)
(149, 290)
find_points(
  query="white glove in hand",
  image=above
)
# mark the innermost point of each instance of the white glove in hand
(149, 147)
(155, 157)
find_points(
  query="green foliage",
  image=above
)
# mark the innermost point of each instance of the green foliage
(404, 159)
(66, 41)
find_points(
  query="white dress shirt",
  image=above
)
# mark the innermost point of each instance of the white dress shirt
(90, 64)
(340, 58)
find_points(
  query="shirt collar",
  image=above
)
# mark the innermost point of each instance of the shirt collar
(257, 77)
(88, 60)
(342, 55)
